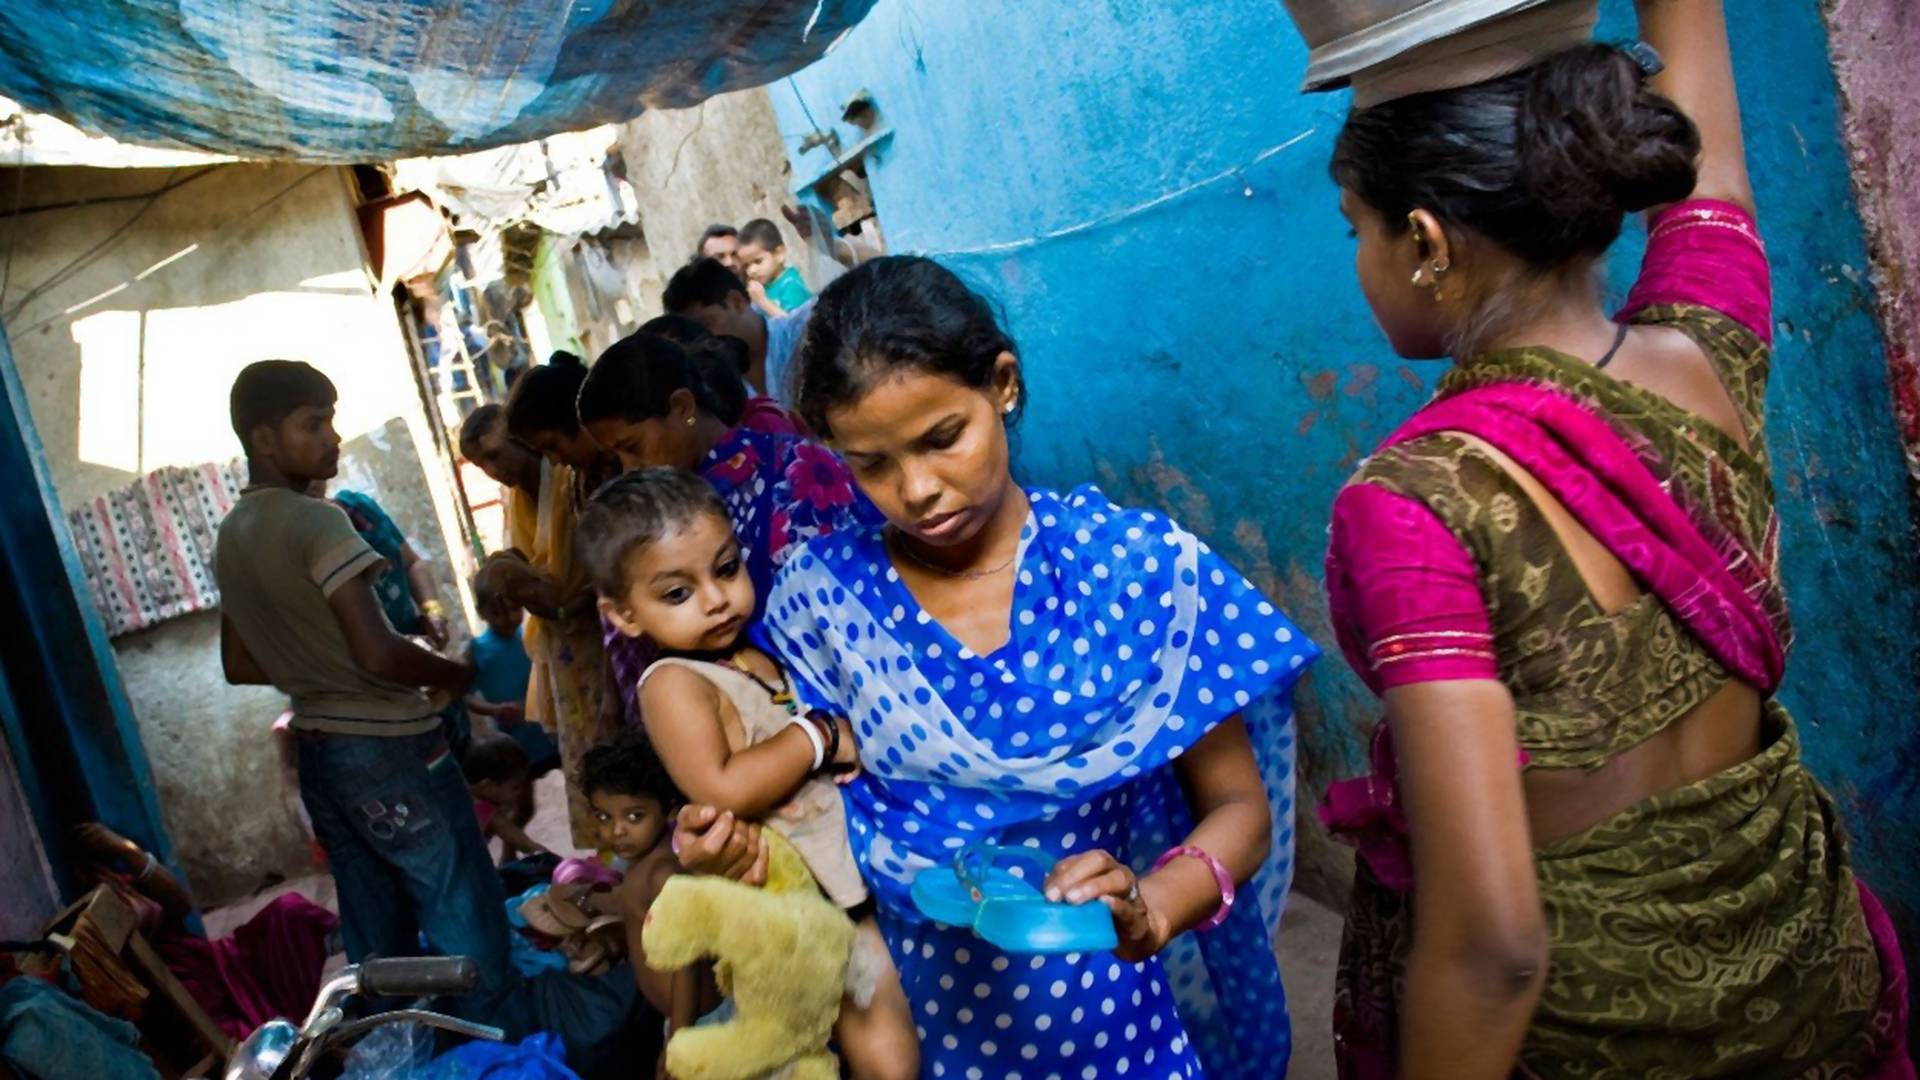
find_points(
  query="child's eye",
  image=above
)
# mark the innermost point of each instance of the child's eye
(678, 595)
(941, 440)
(728, 569)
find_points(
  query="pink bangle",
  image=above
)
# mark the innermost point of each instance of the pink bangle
(1220, 878)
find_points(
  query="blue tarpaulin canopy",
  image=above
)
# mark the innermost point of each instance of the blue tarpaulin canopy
(368, 80)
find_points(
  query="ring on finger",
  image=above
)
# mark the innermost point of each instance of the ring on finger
(1133, 891)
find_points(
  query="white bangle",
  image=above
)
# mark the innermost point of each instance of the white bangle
(813, 736)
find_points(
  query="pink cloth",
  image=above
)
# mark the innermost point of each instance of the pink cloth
(1706, 253)
(1405, 596)
(1890, 1020)
(764, 414)
(592, 871)
(269, 968)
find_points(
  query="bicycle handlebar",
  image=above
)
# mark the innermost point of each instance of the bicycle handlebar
(418, 976)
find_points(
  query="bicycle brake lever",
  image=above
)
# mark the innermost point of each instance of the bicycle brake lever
(348, 1032)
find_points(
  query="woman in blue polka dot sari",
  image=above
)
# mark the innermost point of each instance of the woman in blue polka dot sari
(1047, 670)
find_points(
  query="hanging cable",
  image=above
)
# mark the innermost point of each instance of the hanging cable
(86, 258)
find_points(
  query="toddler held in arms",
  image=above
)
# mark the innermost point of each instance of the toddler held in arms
(720, 713)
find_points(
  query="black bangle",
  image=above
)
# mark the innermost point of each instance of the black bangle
(829, 730)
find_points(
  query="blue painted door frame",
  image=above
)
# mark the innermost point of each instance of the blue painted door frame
(66, 717)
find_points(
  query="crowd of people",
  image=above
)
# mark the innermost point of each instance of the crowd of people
(781, 588)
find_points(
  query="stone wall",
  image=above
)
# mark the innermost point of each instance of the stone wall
(1875, 44)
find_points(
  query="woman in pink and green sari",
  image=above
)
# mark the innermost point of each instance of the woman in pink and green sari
(1589, 846)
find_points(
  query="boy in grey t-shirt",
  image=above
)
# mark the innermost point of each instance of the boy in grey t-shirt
(298, 611)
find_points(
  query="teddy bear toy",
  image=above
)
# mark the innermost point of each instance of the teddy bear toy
(780, 952)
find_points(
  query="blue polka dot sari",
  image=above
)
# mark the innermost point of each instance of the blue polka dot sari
(1130, 641)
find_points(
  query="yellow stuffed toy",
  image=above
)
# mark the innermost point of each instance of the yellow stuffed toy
(781, 954)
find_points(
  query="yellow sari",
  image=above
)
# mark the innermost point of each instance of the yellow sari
(567, 691)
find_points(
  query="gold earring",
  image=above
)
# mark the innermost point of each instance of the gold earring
(690, 421)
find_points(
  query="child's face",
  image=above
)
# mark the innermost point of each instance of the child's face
(688, 591)
(630, 825)
(303, 447)
(763, 264)
(502, 619)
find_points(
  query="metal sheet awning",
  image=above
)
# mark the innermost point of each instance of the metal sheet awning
(370, 80)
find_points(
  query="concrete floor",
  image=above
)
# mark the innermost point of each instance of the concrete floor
(1308, 942)
(1309, 947)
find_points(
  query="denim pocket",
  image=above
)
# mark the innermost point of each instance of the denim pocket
(399, 816)
(384, 785)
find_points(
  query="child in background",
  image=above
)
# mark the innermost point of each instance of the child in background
(663, 555)
(633, 803)
(775, 287)
(502, 784)
(502, 670)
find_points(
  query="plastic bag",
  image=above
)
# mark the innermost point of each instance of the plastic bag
(392, 1052)
(537, 1057)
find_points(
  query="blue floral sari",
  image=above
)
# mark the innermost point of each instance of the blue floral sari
(382, 535)
(1130, 641)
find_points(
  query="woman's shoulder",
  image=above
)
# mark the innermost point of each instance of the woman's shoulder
(1426, 467)
(674, 677)
(1088, 509)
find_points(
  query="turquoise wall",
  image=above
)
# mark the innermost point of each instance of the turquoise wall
(1142, 188)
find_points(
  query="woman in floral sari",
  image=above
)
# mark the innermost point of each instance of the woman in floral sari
(1589, 847)
(651, 400)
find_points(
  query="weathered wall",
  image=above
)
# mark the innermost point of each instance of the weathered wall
(1151, 205)
(1875, 45)
(126, 361)
(720, 161)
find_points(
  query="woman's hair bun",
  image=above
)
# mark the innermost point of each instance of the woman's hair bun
(1595, 141)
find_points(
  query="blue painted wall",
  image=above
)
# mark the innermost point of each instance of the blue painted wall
(68, 725)
(1142, 188)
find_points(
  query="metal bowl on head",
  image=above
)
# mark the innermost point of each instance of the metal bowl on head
(1350, 36)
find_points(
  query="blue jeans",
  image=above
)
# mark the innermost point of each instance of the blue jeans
(397, 822)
